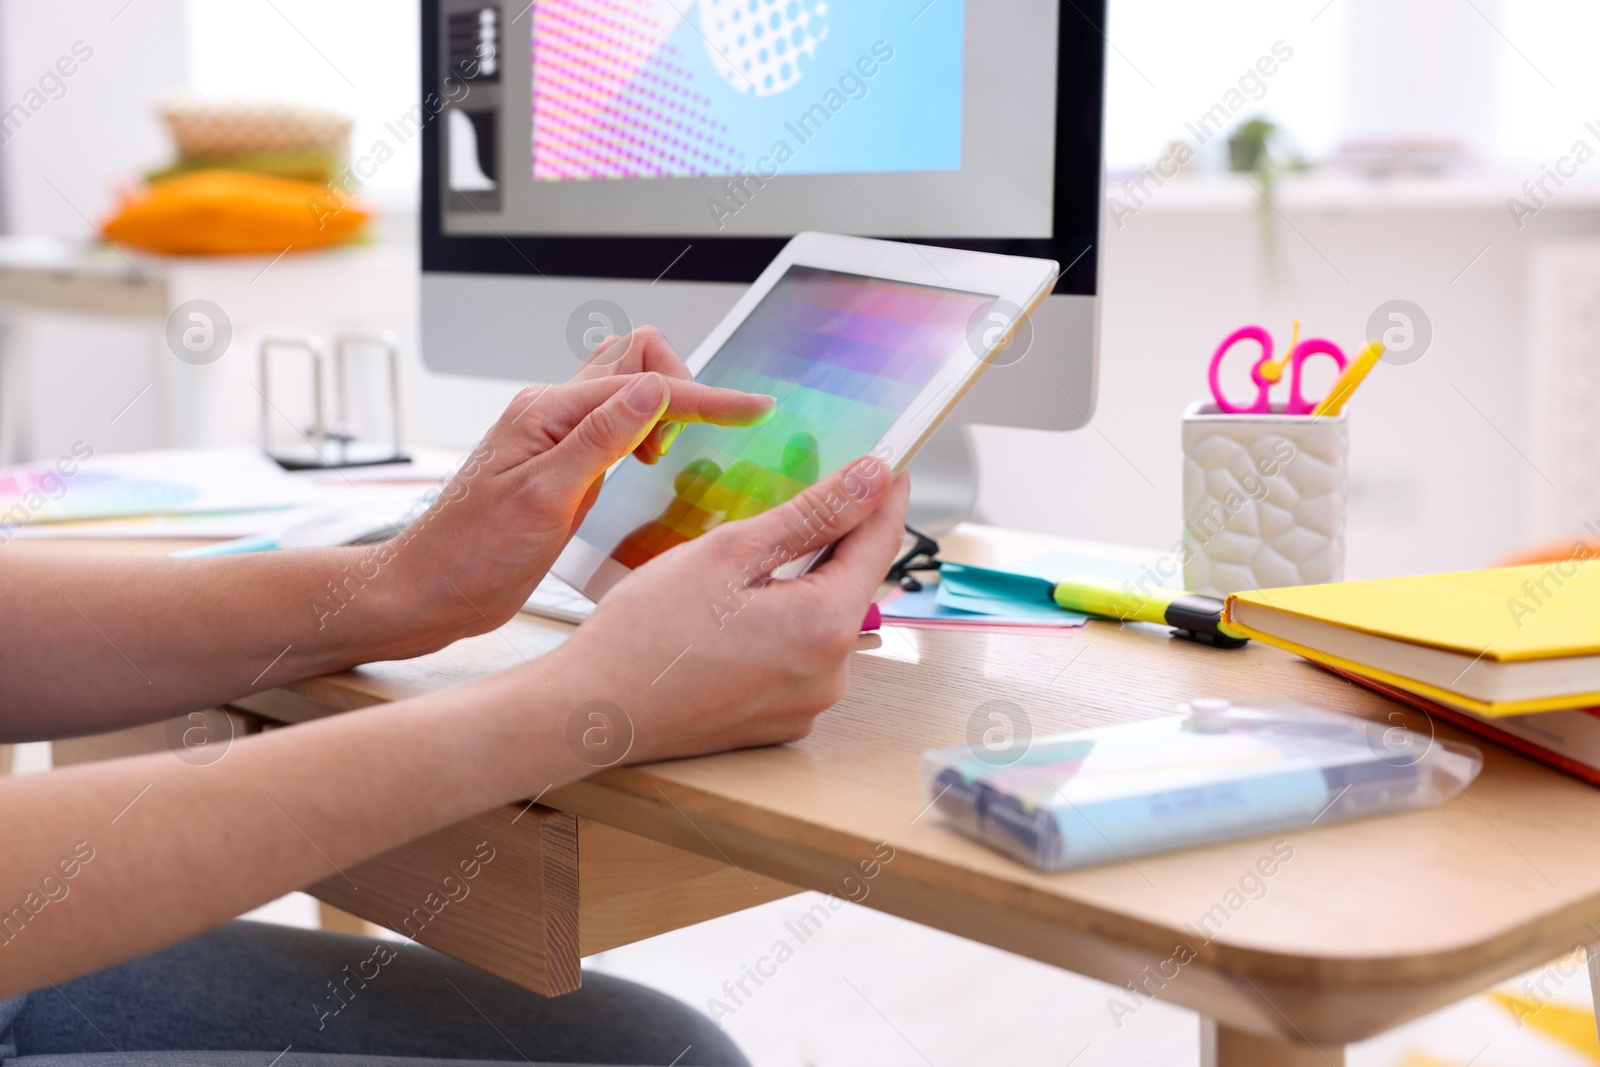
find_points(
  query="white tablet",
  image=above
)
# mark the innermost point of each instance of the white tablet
(866, 345)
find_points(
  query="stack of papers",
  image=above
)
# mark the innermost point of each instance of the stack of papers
(166, 482)
(980, 599)
(188, 492)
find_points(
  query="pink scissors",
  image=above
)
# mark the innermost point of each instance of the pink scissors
(1267, 372)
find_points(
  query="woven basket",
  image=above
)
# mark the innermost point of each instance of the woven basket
(205, 128)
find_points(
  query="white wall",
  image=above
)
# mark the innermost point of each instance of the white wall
(359, 57)
(1170, 60)
(82, 138)
(62, 167)
(1513, 80)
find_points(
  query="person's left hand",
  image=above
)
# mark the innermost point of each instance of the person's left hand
(470, 561)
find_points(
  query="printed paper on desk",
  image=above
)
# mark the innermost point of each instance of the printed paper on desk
(253, 522)
(181, 481)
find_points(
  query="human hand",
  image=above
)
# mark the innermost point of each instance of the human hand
(642, 350)
(702, 651)
(469, 562)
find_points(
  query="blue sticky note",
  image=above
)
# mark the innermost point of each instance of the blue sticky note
(925, 604)
(957, 578)
(1038, 610)
(1023, 590)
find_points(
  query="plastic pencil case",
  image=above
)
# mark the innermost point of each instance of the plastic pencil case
(1218, 771)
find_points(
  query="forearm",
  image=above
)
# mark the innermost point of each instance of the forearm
(176, 849)
(91, 645)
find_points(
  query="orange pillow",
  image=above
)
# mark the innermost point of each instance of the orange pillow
(230, 212)
(1578, 548)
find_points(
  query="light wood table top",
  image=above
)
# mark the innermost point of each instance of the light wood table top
(1366, 924)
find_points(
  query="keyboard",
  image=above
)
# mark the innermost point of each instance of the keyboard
(555, 599)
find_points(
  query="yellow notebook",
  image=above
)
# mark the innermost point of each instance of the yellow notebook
(1497, 642)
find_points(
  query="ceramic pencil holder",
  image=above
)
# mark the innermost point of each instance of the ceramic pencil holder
(1264, 499)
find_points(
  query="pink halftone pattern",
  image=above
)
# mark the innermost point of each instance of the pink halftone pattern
(611, 99)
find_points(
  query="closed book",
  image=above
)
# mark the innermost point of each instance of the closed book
(1498, 642)
(1566, 740)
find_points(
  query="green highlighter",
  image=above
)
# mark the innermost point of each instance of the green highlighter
(1193, 615)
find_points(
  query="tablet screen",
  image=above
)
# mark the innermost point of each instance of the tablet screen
(844, 355)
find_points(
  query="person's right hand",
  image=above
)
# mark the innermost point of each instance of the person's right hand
(466, 564)
(702, 652)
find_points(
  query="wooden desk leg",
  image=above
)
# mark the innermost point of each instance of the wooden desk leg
(1223, 1046)
(499, 890)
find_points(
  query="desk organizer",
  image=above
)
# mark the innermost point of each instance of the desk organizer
(1264, 499)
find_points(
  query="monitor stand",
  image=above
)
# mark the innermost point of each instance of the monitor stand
(944, 480)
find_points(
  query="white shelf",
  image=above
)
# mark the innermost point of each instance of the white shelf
(1333, 191)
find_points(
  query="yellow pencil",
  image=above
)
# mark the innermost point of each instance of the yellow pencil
(1353, 376)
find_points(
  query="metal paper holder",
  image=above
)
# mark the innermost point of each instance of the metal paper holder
(337, 443)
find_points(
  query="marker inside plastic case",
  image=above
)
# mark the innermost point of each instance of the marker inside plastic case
(1216, 773)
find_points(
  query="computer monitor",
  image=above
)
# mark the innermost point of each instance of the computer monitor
(590, 165)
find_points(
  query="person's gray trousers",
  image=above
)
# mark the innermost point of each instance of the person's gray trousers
(255, 995)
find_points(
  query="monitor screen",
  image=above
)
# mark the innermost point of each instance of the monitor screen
(588, 130)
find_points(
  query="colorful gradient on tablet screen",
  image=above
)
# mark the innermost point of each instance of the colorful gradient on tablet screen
(844, 355)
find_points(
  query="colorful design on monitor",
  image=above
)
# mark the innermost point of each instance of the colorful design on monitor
(694, 88)
(612, 100)
(844, 355)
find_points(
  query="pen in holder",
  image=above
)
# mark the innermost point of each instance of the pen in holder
(1264, 499)
(352, 437)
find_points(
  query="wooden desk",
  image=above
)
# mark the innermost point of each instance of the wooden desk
(1365, 925)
